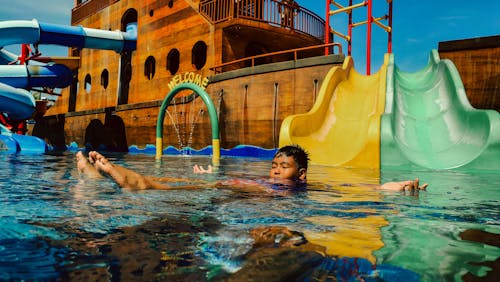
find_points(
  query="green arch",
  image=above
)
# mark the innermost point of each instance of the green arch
(211, 111)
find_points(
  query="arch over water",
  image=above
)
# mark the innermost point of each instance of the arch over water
(214, 122)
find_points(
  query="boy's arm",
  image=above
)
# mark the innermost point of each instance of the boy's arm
(408, 185)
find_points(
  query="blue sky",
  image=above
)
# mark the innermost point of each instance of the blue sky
(418, 25)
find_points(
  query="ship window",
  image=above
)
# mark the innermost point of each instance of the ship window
(151, 13)
(75, 52)
(88, 83)
(199, 55)
(149, 67)
(173, 60)
(130, 16)
(170, 3)
(105, 78)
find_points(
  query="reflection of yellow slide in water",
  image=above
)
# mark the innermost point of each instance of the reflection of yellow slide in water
(343, 127)
(356, 223)
(353, 237)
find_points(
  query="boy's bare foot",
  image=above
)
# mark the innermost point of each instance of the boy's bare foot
(85, 167)
(198, 169)
(100, 162)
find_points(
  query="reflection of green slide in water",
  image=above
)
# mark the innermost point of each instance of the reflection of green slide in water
(429, 122)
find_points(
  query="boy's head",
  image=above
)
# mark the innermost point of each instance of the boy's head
(290, 162)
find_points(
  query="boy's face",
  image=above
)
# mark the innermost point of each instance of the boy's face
(285, 167)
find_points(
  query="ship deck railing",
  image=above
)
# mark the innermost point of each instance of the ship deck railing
(252, 61)
(280, 13)
(85, 8)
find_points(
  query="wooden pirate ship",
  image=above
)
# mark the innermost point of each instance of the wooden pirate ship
(264, 60)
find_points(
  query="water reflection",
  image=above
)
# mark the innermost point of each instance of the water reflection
(342, 213)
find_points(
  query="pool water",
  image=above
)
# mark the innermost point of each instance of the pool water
(55, 225)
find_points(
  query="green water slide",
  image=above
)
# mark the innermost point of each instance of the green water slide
(428, 122)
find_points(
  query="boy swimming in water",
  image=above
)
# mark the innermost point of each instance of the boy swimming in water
(289, 169)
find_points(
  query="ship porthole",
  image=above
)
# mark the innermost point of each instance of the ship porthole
(199, 55)
(88, 83)
(173, 61)
(150, 67)
(105, 78)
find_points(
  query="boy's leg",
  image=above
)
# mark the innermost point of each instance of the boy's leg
(122, 176)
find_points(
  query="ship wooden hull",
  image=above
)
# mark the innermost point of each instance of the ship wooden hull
(478, 62)
(250, 109)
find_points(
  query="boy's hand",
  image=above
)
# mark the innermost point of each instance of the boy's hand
(198, 169)
(411, 186)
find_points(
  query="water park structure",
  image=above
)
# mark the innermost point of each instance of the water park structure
(275, 76)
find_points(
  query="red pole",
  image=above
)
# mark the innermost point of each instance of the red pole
(389, 36)
(349, 31)
(25, 52)
(369, 37)
(327, 26)
(349, 42)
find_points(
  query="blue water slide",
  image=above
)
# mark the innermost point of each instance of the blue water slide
(14, 143)
(34, 32)
(27, 76)
(14, 79)
(6, 57)
(8, 144)
(18, 103)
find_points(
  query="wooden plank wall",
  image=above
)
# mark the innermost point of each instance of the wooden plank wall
(250, 110)
(478, 62)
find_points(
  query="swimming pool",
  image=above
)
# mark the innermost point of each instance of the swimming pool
(55, 226)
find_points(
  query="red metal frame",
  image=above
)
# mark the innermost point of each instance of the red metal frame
(370, 20)
(389, 35)
(327, 26)
(25, 53)
(349, 31)
(369, 37)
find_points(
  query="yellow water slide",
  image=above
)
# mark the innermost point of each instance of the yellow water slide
(343, 126)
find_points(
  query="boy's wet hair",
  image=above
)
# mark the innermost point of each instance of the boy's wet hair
(300, 156)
